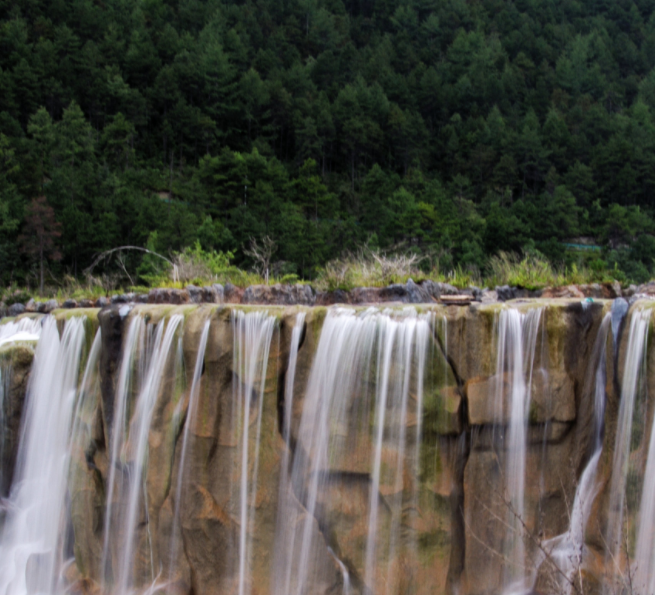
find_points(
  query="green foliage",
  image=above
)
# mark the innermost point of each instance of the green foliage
(452, 131)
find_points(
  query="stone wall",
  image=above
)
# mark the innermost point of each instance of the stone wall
(460, 506)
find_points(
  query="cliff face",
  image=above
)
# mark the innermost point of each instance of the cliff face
(439, 474)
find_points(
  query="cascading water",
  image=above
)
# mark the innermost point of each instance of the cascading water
(25, 329)
(281, 579)
(631, 387)
(517, 338)
(567, 550)
(32, 543)
(252, 334)
(129, 448)
(365, 367)
(191, 414)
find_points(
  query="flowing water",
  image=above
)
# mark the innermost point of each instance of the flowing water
(129, 449)
(252, 332)
(567, 550)
(516, 345)
(632, 387)
(283, 532)
(356, 400)
(191, 414)
(367, 373)
(33, 544)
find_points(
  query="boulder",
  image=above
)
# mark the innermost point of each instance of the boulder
(70, 303)
(86, 303)
(141, 298)
(32, 306)
(209, 294)
(102, 302)
(195, 293)
(287, 295)
(568, 291)
(329, 298)
(15, 309)
(166, 295)
(123, 298)
(232, 294)
(220, 292)
(49, 306)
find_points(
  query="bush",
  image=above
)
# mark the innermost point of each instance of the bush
(367, 268)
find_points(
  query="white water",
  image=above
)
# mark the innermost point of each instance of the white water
(356, 350)
(190, 420)
(644, 560)
(517, 338)
(253, 332)
(567, 550)
(130, 449)
(25, 329)
(283, 533)
(632, 376)
(32, 540)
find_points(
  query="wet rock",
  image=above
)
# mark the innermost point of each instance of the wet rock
(568, 291)
(69, 304)
(489, 296)
(329, 298)
(365, 295)
(629, 291)
(209, 294)
(505, 292)
(165, 295)
(232, 294)
(102, 302)
(123, 298)
(220, 292)
(141, 298)
(287, 295)
(86, 303)
(32, 306)
(195, 294)
(18, 360)
(49, 306)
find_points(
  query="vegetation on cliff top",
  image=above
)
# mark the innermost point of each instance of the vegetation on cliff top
(446, 131)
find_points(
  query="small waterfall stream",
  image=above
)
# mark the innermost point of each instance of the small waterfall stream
(191, 414)
(516, 339)
(567, 550)
(252, 332)
(130, 451)
(631, 387)
(33, 547)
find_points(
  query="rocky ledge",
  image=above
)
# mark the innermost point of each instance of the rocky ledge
(423, 292)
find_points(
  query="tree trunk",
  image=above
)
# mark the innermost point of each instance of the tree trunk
(41, 271)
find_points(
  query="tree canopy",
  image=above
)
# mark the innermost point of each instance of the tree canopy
(453, 129)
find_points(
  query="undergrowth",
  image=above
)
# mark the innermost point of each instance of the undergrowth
(364, 268)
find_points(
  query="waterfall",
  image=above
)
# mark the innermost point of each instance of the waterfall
(630, 387)
(252, 332)
(516, 339)
(32, 542)
(365, 366)
(567, 550)
(129, 448)
(24, 329)
(190, 420)
(283, 533)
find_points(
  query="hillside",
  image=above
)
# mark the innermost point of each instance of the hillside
(451, 129)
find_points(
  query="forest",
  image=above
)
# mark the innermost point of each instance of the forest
(453, 130)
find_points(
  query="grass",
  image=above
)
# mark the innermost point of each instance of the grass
(364, 268)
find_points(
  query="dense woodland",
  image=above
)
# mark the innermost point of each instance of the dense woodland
(451, 128)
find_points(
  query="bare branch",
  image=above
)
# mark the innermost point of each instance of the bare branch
(107, 253)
